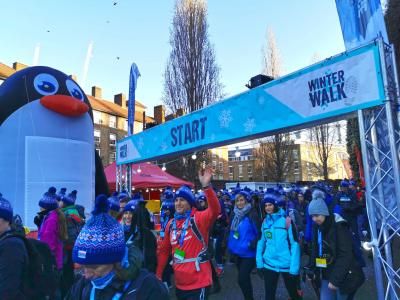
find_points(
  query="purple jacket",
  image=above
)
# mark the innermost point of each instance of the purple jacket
(48, 233)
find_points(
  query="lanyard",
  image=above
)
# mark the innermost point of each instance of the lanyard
(164, 222)
(319, 243)
(183, 232)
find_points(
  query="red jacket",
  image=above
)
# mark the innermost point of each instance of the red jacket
(186, 275)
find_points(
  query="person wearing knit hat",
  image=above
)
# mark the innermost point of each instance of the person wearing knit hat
(114, 206)
(278, 250)
(333, 253)
(47, 203)
(53, 229)
(99, 249)
(242, 240)
(74, 223)
(13, 256)
(185, 246)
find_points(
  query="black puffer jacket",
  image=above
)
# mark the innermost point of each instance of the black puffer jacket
(337, 248)
(149, 288)
(13, 267)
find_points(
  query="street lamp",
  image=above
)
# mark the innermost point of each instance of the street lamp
(194, 156)
(163, 167)
(139, 170)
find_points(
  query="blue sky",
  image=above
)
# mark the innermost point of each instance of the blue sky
(138, 31)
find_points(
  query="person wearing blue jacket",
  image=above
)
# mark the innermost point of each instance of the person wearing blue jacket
(242, 241)
(278, 252)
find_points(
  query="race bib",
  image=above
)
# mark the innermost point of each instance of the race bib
(345, 199)
(268, 235)
(179, 254)
(236, 235)
(162, 234)
(321, 262)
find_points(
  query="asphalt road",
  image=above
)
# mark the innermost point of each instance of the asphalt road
(231, 291)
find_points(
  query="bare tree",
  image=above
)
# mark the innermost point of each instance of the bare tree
(191, 74)
(274, 157)
(322, 137)
(272, 63)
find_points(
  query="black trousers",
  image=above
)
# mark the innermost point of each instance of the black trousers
(271, 282)
(198, 294)
(245, 265)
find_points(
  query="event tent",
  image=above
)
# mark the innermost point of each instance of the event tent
(151, 176)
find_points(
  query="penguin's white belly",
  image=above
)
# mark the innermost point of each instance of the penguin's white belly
(40, 149)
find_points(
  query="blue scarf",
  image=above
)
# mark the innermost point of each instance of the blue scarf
(100, 283)
(183, 216)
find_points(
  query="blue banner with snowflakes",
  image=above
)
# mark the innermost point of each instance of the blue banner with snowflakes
(326, 90)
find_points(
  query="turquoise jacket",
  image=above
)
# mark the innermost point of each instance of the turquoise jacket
(278, 249)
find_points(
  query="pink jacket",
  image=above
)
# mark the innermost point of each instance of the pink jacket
(48, 234)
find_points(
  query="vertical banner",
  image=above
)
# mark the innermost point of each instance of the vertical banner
(133, 77)
(361, 21)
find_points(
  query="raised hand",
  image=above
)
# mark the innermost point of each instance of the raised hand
(205, 176)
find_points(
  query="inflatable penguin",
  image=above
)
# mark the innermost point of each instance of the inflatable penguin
(46, 133)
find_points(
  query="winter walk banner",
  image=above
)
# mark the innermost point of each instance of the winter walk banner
(133, 77)
(334, 87)
(361, 21)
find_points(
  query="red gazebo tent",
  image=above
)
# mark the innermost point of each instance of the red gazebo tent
(151, 176)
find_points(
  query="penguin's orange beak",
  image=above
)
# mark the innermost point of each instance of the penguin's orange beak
(65, 105)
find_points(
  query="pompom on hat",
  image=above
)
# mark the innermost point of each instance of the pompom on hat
(61, 194)
(271, 198)
(6, 210)
(101, 241)
(131, 206)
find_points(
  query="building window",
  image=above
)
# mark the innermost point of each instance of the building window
(295, 154)
(231, 172)
(240, 170)
(214, 165)
(112, 157)
(97, 117)
(220, 177)
(113, 140)
(296, 165)
(297, 134)
(221, 166)
(126, 125)
(112, 122)
(97, 135)
(98, 151)
(250, 170)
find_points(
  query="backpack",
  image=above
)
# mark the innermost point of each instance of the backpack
(137, 284)
(74, 227)
(42, 276)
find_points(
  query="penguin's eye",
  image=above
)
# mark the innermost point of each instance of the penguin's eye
(45, 84)
(74, 89)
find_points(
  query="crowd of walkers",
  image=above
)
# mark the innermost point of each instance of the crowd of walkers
(115, 253)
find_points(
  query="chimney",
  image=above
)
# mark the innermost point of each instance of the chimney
(120, 99)
(159, 114)
(74, 77)
(144, 120)
(180, 112)
(18, 66)
(96, 92)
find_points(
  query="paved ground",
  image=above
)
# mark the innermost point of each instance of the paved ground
(231, 291)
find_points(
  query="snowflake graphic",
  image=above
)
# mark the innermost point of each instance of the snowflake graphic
(164, 146)
(249, 125)
(140, 143)
(225, 118)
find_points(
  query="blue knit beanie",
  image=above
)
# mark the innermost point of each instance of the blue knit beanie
(344, 183)
(6, 210)
(185, 193)
(49, 200)
(61, 194)
(113, 202)
(168, 205)
(168, 195)
(131, 206)
(70, 199)
(271, 198)
(101, 241)
(245, 194)
(124, 194)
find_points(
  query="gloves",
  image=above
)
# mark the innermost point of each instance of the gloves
(260, 273)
